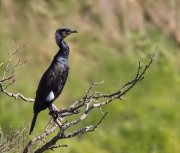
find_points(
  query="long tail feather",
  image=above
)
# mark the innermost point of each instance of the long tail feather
(33, 122)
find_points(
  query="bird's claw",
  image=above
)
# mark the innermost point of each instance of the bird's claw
(54, 115)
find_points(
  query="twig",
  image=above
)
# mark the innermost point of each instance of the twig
(7, 79)
(95, 127)
(16, 95)
(55, 147)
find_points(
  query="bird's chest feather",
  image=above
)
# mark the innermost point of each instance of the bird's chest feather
(59, 70)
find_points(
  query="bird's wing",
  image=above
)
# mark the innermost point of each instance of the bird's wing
(49, 81)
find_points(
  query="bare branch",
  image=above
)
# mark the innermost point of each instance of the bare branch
(16, 95)
(55, 147)
(7, 79)
(88, 99)
(15, 140)
(39, 138)
(85, 105)
(95, 127)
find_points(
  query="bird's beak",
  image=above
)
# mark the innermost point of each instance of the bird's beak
(74, 31)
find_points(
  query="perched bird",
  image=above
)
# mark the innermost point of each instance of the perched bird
(54, 79)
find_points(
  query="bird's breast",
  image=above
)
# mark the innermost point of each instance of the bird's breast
(63, 62)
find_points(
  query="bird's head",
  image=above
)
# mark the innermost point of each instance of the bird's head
(62, 33)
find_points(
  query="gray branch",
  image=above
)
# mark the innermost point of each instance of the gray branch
(87, 103)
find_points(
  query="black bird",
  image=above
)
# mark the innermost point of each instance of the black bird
(54, 79)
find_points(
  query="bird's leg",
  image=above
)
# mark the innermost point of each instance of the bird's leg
(52, 112)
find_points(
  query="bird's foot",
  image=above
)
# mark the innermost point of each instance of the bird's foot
(55, 115)
(54, 112)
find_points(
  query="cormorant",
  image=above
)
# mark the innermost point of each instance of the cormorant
(54, 79)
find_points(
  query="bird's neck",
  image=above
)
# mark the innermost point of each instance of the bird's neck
(64, 50)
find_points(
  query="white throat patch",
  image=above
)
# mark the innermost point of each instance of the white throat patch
(50, 97)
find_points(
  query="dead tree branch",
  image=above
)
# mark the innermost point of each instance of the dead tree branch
(15, 141)
(84, 106)
(90, 102)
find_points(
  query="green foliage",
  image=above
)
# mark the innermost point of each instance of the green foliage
(147, 122)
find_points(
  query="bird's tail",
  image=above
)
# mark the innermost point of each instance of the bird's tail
(33, 122)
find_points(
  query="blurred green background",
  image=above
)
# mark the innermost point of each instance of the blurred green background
(112, 36)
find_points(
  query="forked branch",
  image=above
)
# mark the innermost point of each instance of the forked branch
(84, 106)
